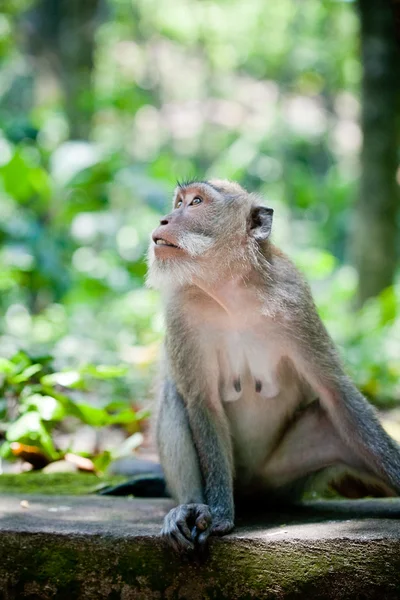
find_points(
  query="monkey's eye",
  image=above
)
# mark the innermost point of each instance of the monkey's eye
(196, 200)
(178, 204)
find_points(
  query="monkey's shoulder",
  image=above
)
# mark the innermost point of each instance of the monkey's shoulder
(289, 284)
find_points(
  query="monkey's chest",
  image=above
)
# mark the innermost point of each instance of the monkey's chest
(247, 366)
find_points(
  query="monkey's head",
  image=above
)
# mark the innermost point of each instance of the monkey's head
(215, 227)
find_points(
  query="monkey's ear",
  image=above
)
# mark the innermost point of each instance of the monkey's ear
(261, 222)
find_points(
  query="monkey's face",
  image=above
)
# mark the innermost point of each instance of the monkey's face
(186, 231)
(208, 228)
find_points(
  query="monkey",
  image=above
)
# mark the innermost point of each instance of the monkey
(254, 401)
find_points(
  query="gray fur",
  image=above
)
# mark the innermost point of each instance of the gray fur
(246, 358)
(175, 446)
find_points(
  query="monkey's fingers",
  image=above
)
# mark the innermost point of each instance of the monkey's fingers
(187, 526)
(203, 517)
(216, 527)
(202, 539)
(176, 531)
(222, 527)
(202, 528)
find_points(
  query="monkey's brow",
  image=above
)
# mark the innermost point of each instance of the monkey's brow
(184, 183)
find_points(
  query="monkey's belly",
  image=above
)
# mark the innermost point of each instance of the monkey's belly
(256, 425)
(258, 394)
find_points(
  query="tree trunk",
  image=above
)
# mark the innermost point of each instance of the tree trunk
(375, 220)
(77, 50)
(396, 14)
(60, 34)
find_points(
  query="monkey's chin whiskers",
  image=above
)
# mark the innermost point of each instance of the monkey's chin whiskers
(195, 244)
(170, 272)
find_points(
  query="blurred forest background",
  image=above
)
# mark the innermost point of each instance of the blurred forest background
(103, 105)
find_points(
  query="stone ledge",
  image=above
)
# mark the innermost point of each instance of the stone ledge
(107, 548)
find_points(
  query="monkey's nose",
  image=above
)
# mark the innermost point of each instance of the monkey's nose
(164, 221)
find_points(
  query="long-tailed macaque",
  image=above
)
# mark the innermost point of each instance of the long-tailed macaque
(254, 401)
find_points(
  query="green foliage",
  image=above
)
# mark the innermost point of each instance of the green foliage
(369, 338)
(43, 398)
(71, 484)
(262, 92)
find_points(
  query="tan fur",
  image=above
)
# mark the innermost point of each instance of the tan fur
(250, 364)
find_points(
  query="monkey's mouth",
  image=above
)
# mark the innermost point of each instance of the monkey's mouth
(162, 242)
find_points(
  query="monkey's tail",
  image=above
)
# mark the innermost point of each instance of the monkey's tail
(145, 479)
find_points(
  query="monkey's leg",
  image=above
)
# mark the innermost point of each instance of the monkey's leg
(355, 420)
(190, 522)
(309, 445)
(312, 445)
(352, 417)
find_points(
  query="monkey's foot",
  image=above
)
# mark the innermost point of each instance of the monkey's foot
(187, 527)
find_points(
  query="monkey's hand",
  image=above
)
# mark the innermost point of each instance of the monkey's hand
(187, 527)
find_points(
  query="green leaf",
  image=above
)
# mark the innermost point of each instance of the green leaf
(15, 175)
(26, 373)
(123, 418)
(48, 407)
(50, 391)
(104, 371)
(5, 450)
(101, 461)
(92, 415)
(69, 379)
(115, 405)
(29, 429)
(21, 360)
(7, 367)
(388, 303)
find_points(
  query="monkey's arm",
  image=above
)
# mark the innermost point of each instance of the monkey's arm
(212, 441)
(369, 446)
(197, 470)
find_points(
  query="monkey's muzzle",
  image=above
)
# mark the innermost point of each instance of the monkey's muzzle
(162, 242)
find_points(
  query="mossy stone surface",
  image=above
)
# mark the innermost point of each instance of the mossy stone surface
(95, 548)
